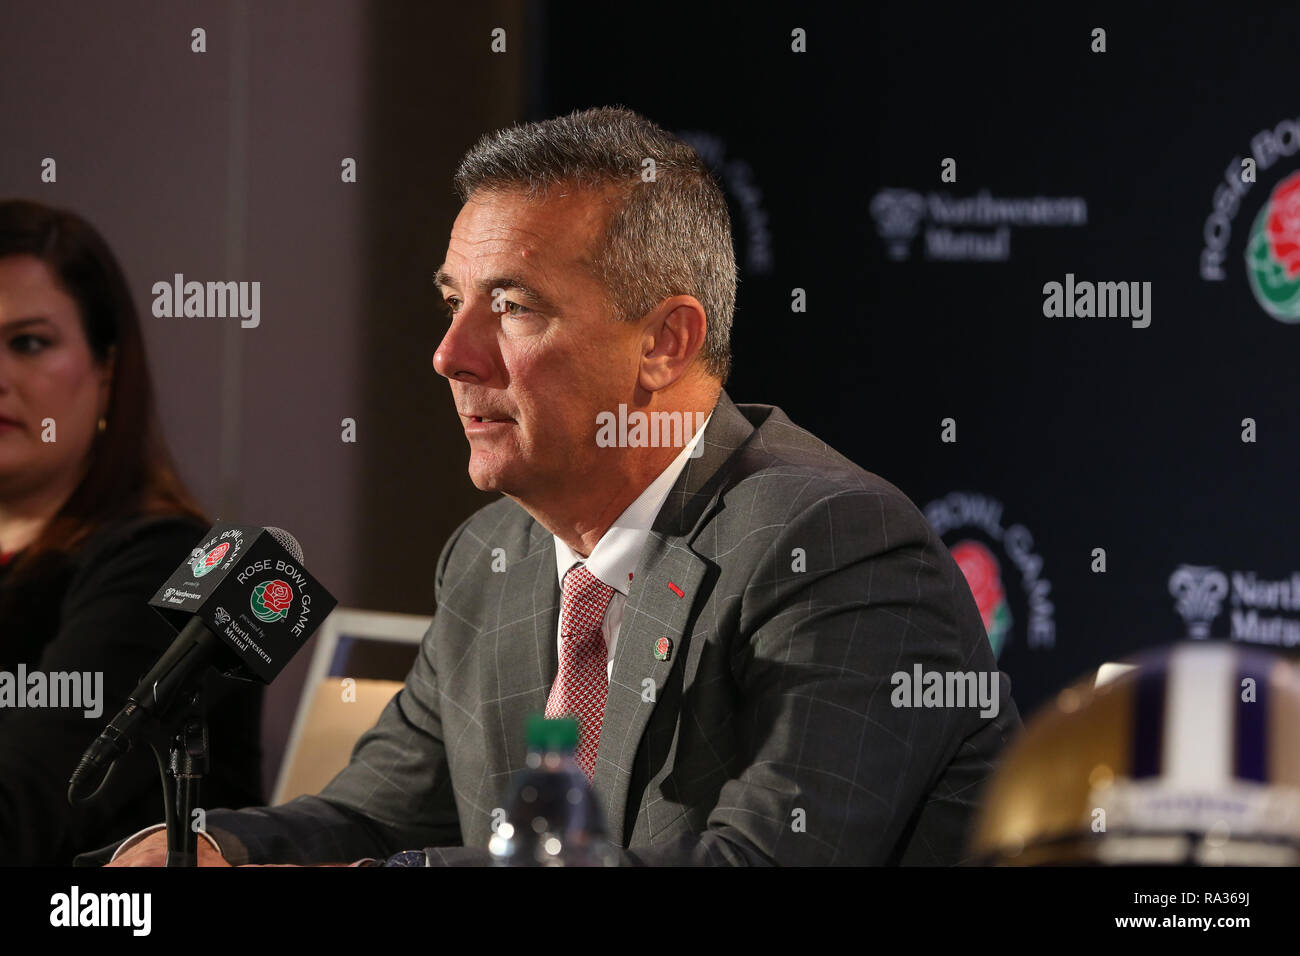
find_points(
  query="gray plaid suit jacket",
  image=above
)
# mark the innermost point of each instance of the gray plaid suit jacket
(768, 736)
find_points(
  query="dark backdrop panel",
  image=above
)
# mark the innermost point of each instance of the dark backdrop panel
(1072, 433)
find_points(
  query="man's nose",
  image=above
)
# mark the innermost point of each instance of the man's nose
(468, 347)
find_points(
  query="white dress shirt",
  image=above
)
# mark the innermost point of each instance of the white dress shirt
(614, 558)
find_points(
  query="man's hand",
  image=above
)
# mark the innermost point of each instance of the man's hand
(152, 851)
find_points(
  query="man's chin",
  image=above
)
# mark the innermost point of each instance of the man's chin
(489, 486)
(489, 478)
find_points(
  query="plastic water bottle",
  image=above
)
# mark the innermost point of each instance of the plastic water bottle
(552, 818)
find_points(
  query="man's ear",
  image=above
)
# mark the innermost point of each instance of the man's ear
(677, 332)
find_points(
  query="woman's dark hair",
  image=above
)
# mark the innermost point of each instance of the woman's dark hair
(130, 472)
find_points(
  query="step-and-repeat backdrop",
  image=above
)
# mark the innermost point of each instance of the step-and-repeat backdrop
(1043, 276)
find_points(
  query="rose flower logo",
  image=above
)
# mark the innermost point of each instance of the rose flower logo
(270, 601)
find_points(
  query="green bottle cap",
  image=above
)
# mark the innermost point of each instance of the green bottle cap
(559, 734)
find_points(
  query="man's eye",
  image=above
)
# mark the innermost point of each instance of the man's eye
(452, 303)
(28, 344)
(514, 308)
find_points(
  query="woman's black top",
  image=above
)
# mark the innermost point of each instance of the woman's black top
(88, 612)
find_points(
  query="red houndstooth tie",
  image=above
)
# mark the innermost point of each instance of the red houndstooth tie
(582, 682)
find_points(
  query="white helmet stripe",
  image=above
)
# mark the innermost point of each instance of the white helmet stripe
(1200, 716)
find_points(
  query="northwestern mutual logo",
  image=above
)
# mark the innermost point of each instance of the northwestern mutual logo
(1198, 597)
(966, 228)
(1262, 610)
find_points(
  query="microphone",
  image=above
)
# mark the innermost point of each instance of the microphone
(243, 603)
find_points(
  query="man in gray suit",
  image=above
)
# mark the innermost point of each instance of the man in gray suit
(740, 617)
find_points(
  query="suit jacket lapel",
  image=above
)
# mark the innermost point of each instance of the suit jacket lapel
(519, 662)
(654, 610)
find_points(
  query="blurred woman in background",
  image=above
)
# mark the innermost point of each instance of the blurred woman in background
(93, 519)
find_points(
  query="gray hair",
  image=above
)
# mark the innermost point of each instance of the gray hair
(670, 236)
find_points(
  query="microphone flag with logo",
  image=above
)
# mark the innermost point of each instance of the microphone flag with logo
(248, 586)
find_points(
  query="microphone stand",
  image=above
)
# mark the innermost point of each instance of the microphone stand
(184, 731)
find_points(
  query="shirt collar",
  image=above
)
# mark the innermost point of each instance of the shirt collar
(614, 558)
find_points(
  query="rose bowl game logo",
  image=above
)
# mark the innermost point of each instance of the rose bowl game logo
(984, 575)
(1001, 567)
(270, 601)
(201, 562)
(1273, 252)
